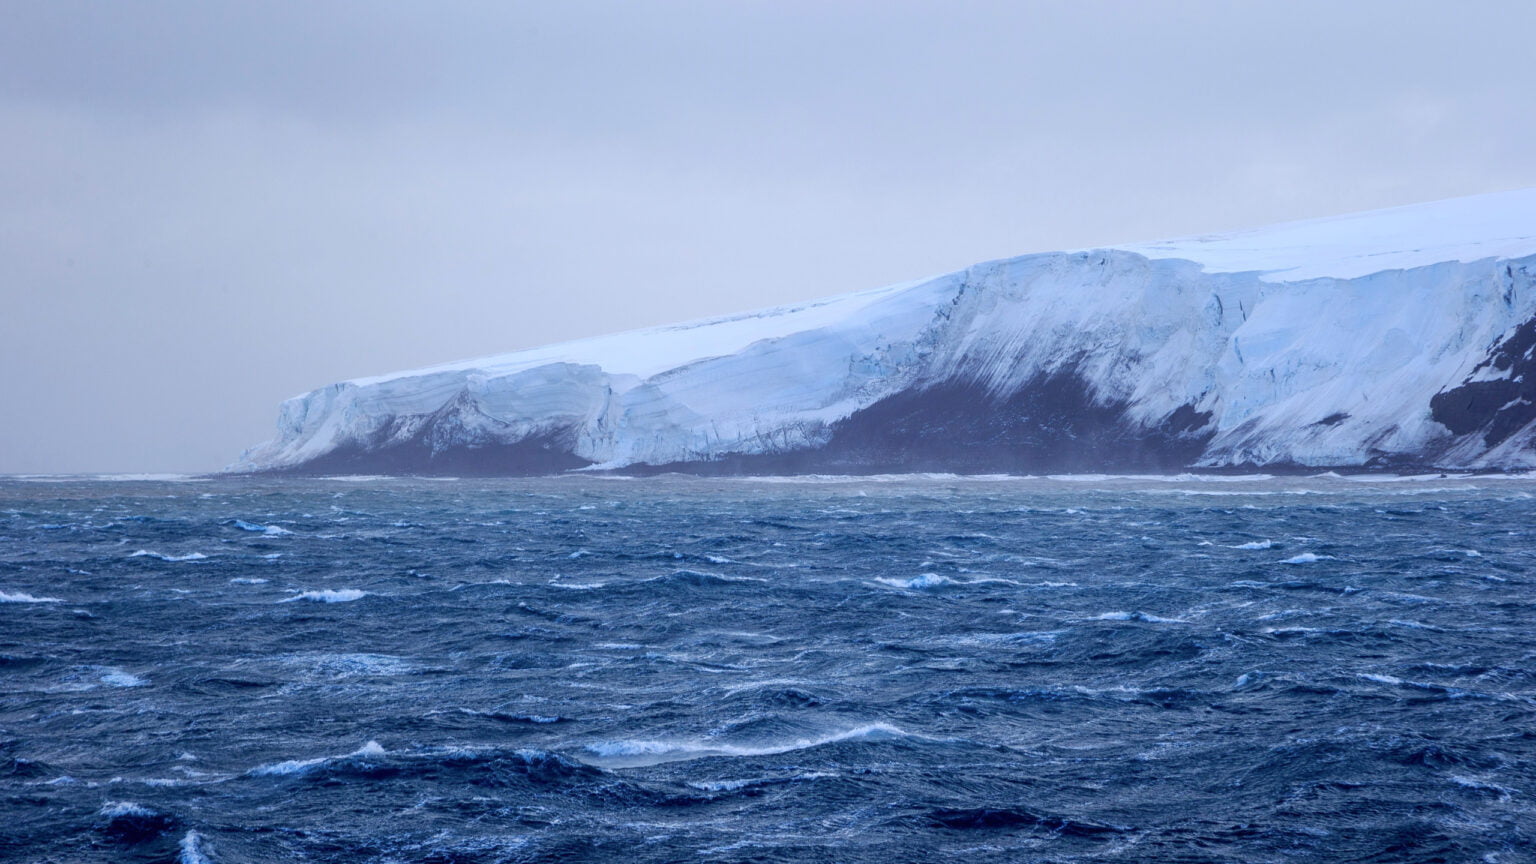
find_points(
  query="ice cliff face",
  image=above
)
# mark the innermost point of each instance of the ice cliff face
(1399, 337)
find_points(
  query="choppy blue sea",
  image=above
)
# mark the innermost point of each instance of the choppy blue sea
(881, 670)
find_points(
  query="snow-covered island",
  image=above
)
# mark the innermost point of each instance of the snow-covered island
(1390, 339)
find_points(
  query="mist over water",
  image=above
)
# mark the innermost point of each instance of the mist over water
(597, 669)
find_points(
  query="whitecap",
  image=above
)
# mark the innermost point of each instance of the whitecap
(118, 809)
(700, 578)
(1021, 637)
(192, 850)
(1255, 545)
(1144, 617)
(119, 678)
(190, 556)
(1308, 558)
(917, 583)
(748, 782)
(304, 766)
(246, 580)
(638, 753)
(20, 597)
(1480, 786)
(332, 666)
(328, 595)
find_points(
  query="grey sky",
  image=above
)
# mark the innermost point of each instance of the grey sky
(206, 208)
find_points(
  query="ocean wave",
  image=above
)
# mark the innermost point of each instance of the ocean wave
(129, 822)
(1015, 818)
(113, 809)
(1308, 558)
(258, 528)
(20, 597)
(699, 579)
(1023, 637)
(118, 678)
(1143, 617)
(1255, 545)
(370, 750)
(351, 665)
(757, 782)
(926, 581)
(1185, 477)
(917, 583)
(328, 595)
(190, 556)
(191, 848)
(484, 765)
(634, 753)
(1501, 792)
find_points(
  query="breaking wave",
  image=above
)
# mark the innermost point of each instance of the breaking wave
(21, 597)
(190, 556)
(634, 753)
(328, 595)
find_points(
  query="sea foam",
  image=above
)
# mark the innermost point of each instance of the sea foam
(190, 556)
(192, 850)
(304, 766)
(1308, 558)
(20, 597)
(328, 595)
(637, 753)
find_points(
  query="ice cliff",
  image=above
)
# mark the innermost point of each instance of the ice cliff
(1394, 338)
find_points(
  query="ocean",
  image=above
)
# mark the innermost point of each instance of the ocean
(892, 669)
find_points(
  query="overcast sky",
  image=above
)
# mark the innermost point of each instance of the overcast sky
(206, 208)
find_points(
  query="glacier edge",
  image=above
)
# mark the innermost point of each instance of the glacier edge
(1128, 358)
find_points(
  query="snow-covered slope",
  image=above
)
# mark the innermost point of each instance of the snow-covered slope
(1394, 337)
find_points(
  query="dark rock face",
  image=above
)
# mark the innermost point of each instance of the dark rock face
(1499, 408)
(1051, 425)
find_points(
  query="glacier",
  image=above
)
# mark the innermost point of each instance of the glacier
(1392, 339)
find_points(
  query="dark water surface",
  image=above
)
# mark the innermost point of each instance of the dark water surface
(592, 669)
